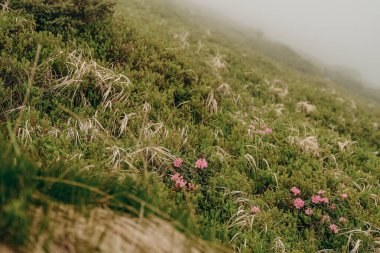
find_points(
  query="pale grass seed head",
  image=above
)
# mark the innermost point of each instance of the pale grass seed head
(307, 144)
(345, 145)
(279, 246)
(212, 104)
(24, 133)
(124, 123)
(224, 89)
(115, 157)
(306, 107)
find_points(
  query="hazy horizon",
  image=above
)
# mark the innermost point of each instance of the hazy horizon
(338, 32)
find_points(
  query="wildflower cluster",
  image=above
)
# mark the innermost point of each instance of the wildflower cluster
(201, 163)
(255, 210)
(263, 130)
(319, 202)
(179, 181)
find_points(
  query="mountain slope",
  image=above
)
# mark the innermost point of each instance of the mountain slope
(113, 99)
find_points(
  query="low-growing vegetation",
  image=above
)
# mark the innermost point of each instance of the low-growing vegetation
(141, 116)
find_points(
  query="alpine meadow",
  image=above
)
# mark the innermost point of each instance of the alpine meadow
(141, 126)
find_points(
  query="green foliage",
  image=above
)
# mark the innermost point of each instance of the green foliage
(63, 16)
(102, 141)
(16, 189)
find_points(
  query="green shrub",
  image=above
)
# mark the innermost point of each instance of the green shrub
(61, 16)
(16, 188)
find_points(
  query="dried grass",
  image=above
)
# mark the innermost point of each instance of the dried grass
(212, 104)
(217, 62)
(152, 130)
(306, 107)
(124, 123)
(306, 144)
(183, 39)
(279, 246)
(222, 154)
(345, 145)
(116, 156)
(278, 109)
(224, 89)
(24, 133)
(5, 6)
(279, 88)
(111, 86)
(82, 130)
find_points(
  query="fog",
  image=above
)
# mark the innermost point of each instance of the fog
(336, 32)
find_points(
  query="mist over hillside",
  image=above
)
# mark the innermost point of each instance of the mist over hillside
(336, 32)
(357, 70)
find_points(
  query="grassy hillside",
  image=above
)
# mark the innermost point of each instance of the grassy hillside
(152, 119)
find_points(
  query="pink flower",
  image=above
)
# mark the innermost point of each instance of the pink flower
(201, 163)
(175, 177)
(309, 212)
(342, 220)
(298, 203)
(255, 210)
(324, 200)
(332, 207)
(265, 130)
(268, 130)
(316, 199)
(177, 162)
(334, 228)
(191, 187)
(295, 191)
(180, 183)
(343, 196)
(321, 192)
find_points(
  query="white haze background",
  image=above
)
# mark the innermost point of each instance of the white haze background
(336, 32)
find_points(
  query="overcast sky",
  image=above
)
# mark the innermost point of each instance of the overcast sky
(337, 32)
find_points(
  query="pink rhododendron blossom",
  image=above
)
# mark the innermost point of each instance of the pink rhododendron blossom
(255, 210)
(343, 196)
(175, 177)
(321, 192)
(316, 199)
(298, 203)
(177, 162)
(268, 130)
(342, 220)
(334, 228)
(295, 191)
(265, 130)
(309, 212)
(180, 183)
(201, 163)
(324, 200)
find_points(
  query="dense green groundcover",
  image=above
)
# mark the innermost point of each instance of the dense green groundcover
(117, 97)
